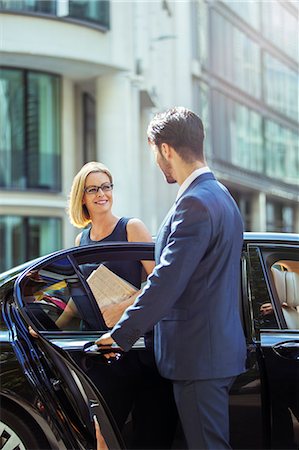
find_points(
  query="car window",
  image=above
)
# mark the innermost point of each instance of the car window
(285, 286)
(274, 286)
(262, 309)
(58, 296)
(55, 299)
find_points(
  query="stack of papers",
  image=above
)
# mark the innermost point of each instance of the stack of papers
(108, 288)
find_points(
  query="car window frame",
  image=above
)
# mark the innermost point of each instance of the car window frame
(280, 252)
(76, 256)
(257, 246)
(268, 254)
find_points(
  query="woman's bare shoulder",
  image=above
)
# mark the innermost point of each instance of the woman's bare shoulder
(137, 231)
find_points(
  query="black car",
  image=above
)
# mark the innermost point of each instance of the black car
(47, 396)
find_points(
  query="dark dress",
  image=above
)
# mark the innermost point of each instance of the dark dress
(133, 383)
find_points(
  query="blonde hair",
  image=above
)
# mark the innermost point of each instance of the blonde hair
(78, 213)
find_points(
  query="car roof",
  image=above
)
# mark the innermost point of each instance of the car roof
(262, 237)
(271, 238)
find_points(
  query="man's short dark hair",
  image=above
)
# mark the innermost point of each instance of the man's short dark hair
(180, 128)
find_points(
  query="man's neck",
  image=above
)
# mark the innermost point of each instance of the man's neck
(183, 170)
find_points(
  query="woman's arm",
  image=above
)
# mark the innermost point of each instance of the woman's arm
(136, 232)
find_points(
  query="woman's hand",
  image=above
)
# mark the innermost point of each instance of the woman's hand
(113, 313)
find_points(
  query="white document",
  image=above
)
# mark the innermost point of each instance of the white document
(108, 288)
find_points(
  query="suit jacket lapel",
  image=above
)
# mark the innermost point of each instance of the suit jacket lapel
(163, 234)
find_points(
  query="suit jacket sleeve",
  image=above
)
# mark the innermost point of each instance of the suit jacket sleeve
(189, 238)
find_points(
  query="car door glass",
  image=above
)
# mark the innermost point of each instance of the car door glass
(262, 310)
(57, 296)
(285, 285)
(55, 299)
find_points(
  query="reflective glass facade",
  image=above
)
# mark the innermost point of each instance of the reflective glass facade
(200, 15)
(281, 153)
(240, 136)
(43, 235)
(235, 57)
(276, 22)
(248, 11)
(280, 27)
(248, 86)
(281, 87)
(30, 155)
(202, 95)
(247, 140)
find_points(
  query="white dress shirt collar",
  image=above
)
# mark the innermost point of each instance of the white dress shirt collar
(196, 173)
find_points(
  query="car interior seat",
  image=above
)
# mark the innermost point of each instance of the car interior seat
(287, 288)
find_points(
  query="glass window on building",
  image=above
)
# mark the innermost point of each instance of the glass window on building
(249, 11)
(89, 127)
(221, 138)
(280, 27)
(201, 31)
(240, 130)
(282, 152)
(202, 107)
(34, 6)
(280, 217)
(281, 86)
(241, 155)
(25, 238)
(30, 155)
(95, 11)
(235, 57)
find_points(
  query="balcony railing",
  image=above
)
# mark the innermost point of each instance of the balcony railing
(96, 12)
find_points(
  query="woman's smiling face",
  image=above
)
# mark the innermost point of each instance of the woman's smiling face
(100, 201)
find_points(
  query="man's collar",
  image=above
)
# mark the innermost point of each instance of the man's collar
(196, 173)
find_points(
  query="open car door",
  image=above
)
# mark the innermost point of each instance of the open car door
(54, 298)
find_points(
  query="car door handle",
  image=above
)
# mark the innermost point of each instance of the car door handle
(92, 349)
(288, 350)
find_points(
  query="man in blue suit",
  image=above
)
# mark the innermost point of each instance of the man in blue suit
(191, 298)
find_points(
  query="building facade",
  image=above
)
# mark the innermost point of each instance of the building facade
(79, 81)
(246, 78)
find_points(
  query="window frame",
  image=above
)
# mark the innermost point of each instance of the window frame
(77, 256)
(25, 74)
(268, 255)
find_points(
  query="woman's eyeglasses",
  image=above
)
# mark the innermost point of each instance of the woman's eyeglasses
(105, 187)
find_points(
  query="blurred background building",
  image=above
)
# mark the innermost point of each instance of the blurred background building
(80, 79)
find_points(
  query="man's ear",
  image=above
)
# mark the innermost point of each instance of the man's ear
(166, 151)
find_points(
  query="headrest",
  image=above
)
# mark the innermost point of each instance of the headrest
(287, 286)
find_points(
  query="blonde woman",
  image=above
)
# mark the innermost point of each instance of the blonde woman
(133, 383)
(91, 201)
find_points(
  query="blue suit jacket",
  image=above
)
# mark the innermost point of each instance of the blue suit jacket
(192, 295)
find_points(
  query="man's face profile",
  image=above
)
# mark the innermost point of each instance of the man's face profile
(163, 164)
